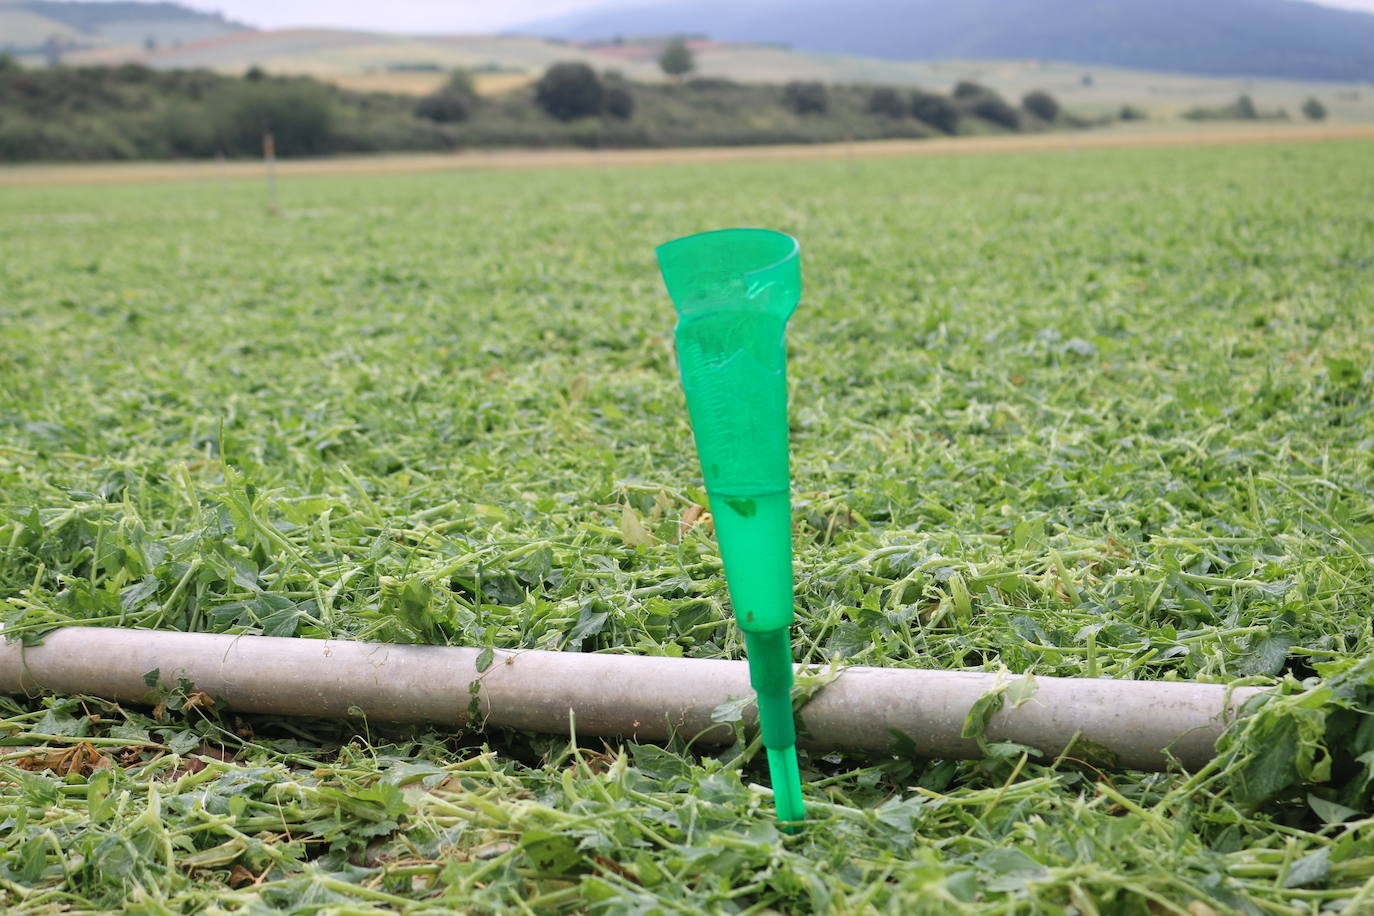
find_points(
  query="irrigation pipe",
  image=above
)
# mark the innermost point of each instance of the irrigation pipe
(1143, 723)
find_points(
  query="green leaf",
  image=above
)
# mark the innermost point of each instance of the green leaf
(1330, 812)
(1268, 657)
(1021, 690)
(632, 530)
(135, 596)
(1310, 869)
(550, 852)
(732, 709)
(982, 711)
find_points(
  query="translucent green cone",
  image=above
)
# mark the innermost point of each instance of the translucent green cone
(734, 291)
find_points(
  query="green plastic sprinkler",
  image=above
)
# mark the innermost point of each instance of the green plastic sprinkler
(734, 291)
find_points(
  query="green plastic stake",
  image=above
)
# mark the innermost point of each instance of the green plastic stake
(734, 291)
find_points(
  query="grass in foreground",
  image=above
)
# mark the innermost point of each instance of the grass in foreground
(1097, 415)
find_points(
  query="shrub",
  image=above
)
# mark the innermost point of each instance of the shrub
(619, 103)
(936, 110)
(993, 108)
(1243, 108)
(445, 106)
(460, 80)
(1042, 105)
(805, 98)
(298, 114)
(1131, 113)
(713, 84)
(181, 130)
(966, 89)
(885, 101)
(569, 90)
(677, 59)
(1313, 109)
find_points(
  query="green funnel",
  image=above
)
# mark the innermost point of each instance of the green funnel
(734, 291)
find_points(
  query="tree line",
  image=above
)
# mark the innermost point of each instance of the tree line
(133, 112)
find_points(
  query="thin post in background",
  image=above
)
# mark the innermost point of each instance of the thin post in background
(269, 157)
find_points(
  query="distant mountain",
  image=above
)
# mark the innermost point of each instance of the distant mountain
(1282, 38)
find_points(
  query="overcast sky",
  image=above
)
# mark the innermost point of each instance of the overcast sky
(435, 15)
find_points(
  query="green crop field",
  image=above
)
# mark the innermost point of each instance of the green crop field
(1104, 414)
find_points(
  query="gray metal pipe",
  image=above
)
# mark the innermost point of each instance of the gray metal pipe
(1141, 723)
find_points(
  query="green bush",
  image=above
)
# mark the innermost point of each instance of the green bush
(713, 84)
(452, 102)
(887, 102)
(461, 80)
(677, 59)
(619, 103)
(936, 110)
(569, 90)
(1313, 109)
(297, 112)
(1041, 104)
(1131, 113)
(995, 109)
(806, 97)
(445, 106)
(1242, 109)
(967, 89)
(181, 130)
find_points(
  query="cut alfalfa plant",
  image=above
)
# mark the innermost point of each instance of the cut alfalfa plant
(1107, 415)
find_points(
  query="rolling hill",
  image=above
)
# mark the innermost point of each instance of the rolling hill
(27, 25)
(1280, 38)
(108, 33)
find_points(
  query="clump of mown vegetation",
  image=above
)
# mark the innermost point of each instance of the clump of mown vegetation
(132, 112)
(1109, 415)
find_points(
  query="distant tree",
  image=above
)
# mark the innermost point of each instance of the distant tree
(1245, 108)
(619, 103)
(887, 102)
(1131, 113)
(445, 106)
(1086, 79)
(677, 60)
(150, 42)
(569, 90)
(936, 110)
(255, 73)
(986, 104)
(995, 109)
(967, 89)
(461, 80)
(452, 102)
(8, 64)
(1313, 109)
(298, 113)
(1041, 104)
(806, 98)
